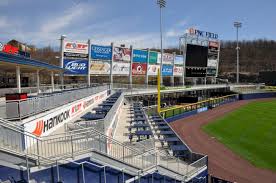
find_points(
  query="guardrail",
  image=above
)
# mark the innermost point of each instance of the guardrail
(41, 103)
(197, 106)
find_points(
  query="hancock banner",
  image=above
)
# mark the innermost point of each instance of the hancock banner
(139, 69)
(177, 71)
(153, 70)
(75, 66)
(121, 54)
(101, 68)
(167, 58)
(75, 47)
(120, 68)
(101, 52)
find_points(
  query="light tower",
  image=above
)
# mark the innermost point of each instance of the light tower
(238, 25)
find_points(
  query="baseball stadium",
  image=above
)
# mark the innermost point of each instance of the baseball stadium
(119, 113)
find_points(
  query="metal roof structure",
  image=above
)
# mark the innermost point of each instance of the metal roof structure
(9, 60)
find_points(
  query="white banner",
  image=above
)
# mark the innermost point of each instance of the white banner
(167, 58)
(101, 68)
(75, 47)
(177, 71)
(119, 68)
(153, 70)
(212, 63)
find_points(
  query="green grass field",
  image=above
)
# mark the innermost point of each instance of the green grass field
(250, 132)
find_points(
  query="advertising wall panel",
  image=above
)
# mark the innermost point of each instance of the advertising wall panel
(75, 47)
(121, 54)
(101, 68)
(153, 57)
(177, 71)
(139, 69)
(179, 60)
(101, 52)
(75, 66)
(140, 56)
(167, 58)
(120, 68)
(153, 70)
(167, 70)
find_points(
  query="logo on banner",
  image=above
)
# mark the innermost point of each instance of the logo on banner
(74, 47)
(140, 56)
(153, 70)
(167, 70)
(100, 68)
(120, 68)
(101, 52)
(43, 126)
(75, 55)
(139, 69)
(200, 33)
(121, 54)
(76, 66)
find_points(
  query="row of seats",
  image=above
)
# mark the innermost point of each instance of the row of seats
(102, 109)
(169, 140)
(139, 128)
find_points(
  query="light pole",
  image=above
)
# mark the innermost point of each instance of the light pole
(238, 25)
(62, 37)
(162, 4)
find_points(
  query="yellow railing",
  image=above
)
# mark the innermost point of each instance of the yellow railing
(213, 102)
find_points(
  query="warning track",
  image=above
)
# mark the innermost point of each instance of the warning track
(223, 162)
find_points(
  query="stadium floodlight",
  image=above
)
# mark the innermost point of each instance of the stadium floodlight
(162, 4)
(238, 25)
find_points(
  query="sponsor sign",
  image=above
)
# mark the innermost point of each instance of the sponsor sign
(140, 56)
(167, 70)
(101, 52)
(167, 58)
(101, 68)
(120, 68)
(212, 63)
(139, 69)
(178, 60)
(75, 47)
(211, 71)
(214, 44)
(177, 71)
(47, 124)
(200, 33)
(153, 70)
(153, 57)
(75, 55)
(75, 67)
(121, 54)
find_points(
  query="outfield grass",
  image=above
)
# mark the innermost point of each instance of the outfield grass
(250, 132)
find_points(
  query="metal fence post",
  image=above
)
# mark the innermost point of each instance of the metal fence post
(28, 169)
(72, 148)
(37, 146)
(83, 175)
(57, 171)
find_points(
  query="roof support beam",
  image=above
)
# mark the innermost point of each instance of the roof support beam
(18, 79)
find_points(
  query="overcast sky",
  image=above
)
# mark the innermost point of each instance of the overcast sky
(41, 22)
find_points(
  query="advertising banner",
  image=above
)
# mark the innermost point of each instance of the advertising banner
(177, 71)
(153, 57)
(75, 66)
(101, 68)
(153, 70)
(212, 63)
(167, 58)
(139, 69)
(75, 55)
(121, 54)
(167, 70)
(101, 52)
(178, 60)
(75, 47)
(120, 68)
(140, 56)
